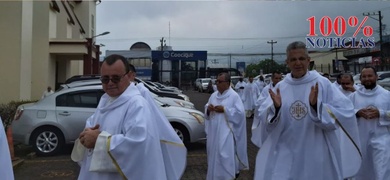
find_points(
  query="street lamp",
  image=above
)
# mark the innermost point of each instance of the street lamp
(91, 65)
(101, 34)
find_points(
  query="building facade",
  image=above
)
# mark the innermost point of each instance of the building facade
(44, 43)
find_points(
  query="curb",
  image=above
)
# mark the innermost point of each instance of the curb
(17, 163)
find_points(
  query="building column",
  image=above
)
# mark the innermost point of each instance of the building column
(88, 58)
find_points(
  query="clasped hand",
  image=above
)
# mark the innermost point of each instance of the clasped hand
(277, 100)
(369, 113)
(218, 109)
(89, 136)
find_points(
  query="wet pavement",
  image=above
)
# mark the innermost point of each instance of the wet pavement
(61, 167)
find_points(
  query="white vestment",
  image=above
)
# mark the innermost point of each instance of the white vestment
(374, 168)
(133, 144)
(173, 149)
(226, 137)
(260, 84)
(300, 143)
(251, 93)
(240, 87)
(347, 93)
(256, 121)
(6, 170)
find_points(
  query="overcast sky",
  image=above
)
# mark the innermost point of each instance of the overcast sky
(223, 26)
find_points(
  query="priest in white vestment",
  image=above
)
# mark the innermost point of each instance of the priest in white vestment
(6, 170)
(276, 77)
(260, 83)
(240, 87)
(251, 93)
(173, 149)
(225, 127)
(303, 116)
(120, 141)
(347, 85)
(372, 107)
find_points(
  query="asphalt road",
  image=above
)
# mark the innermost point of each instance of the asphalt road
(61, 167)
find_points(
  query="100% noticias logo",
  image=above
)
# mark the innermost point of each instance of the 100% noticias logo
(339, 27)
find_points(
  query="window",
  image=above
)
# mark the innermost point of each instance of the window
(83, 99)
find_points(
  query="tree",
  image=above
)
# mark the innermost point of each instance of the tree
(267, 65)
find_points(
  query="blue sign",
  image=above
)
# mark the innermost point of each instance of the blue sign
(180, 55)
(240, 66)
(144, 72)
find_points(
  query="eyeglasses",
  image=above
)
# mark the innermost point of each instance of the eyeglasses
(218, 81)
(114, 79)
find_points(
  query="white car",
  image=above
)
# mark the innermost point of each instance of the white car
(202, 84)
(59, 119)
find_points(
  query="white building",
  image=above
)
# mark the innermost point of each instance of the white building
(44, 43)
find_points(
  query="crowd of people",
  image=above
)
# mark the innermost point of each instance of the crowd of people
(305, 126)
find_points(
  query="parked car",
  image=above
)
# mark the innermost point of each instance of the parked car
(163, 88)
(202, 84)
(58, 119)
(165, 100)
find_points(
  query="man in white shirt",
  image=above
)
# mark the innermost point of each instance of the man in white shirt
(47, 92)
(225, 127)
(251, 93)
(347, 86)
(120, 140)
(240, 86)
(372, 107)
(301, 129)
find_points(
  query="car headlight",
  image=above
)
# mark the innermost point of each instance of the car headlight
(198, 117)
(180, 103)
(186, 98)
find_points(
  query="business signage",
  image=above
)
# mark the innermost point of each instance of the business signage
(144, 72)
(240, 66)
(180, 55)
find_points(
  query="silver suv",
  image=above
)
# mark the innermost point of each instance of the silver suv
(58, 119)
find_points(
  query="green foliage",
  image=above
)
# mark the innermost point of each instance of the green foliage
(267, 65)
(7, 111)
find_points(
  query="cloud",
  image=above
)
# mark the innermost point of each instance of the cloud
(222, 26)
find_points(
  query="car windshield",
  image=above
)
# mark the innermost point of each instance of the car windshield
(205, 80)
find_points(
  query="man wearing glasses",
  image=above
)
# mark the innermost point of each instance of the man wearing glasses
(120, 140)
(226, 132)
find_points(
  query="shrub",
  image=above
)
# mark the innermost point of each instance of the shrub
(7, 111)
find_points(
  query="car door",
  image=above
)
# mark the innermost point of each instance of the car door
(74, 108)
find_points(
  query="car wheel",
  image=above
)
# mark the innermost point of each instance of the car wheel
(47, 141)
(182, 132)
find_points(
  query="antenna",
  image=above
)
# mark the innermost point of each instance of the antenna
(169, 37)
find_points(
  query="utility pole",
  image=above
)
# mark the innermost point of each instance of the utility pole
(272, 42)
(379, 13)
(162, 41)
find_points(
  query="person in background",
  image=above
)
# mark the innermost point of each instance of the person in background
(6, 170)
(347, 85)
(240, 86)
(251, 93)
(173, 148)
(260, 83)
(47, 92)
(225, 127)
(120, 140)
(337, 83)
(302, 117)
(372, 107)
(276, 77)
(326, 75)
